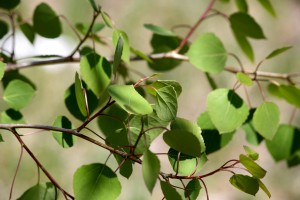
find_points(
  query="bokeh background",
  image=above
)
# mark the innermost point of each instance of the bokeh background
(130, 15)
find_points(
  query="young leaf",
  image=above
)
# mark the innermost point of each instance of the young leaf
(226, 110)
(266, 119)
(280, 146)
(151, 169)
(129, 99)
(118, 55)
(96, 72)
(244, 79)
(251, 153)
(94, 5)
(11, 116)
(126, 47)
(9, 4)
(245, 25)
(263, 187)
(46, 22)
(185, 164)
(277, 52)
(192, 189)
(3, 29)
(242, 5)
(166, 103)
(28, 31)
(268, 6)
(159, 30)
(96, 181)
(18, 94)
(63, 139)
(208, 54)
(44, 191)
(107, 20)
(80, 98)
(252, 167)
(245, 183)
(2, 70)
(169, 192)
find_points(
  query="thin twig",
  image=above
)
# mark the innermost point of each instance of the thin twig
(17, 170)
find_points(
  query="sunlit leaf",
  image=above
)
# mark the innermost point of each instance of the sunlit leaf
(245, 25)
(46, 22)
(263, 187)
(41, 191)
(166, 103)
(159, 30)
(245, 183)
(153, 87)
(18, 94)
(96, 181)
(12, 116)
(252, 167)
(151, 169)
(129, 99)
(169, 192)
(266, 119)
(226, 110)
(65, 140)
(208, 54)
(251, 153)
(192, 189)
(244, 79)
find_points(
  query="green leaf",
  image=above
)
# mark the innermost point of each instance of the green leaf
(208, 54)
(118, 55)
(80, 97)
(41, 191)
(268, 6)
(94, 6)
(290, 93)
(226, 110)
(192, 189)
(45, 21)
(242, 5)
(96, 181)
(141, 55)
(117, 34)
(107, 20)
(153, 87)
(211, 81)
(151, 169)
(280, 146)
(18, 94)
(129, 99)
(166, 103)
(252, 167)
(9, 4)
(83, 28)
(28, 31)
(1, 138)
(251, 153)
(169, 192)
(244, 44)
(12, 116)
(252, 136)
(66, 140)
(245, 25)
(125, 167)
(244, 79)
(263, 187)
(3, 28)
(2, 70)
(185, 164)
(277, 52)
(159, 30)
(70, 98)
(294, 160)
(266, 119)
(245, 183)
(162, 44)
(96, 72)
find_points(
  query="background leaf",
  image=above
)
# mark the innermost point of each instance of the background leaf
(2, 69)
(9, 4)
(3, 28)
(12, 116)
(96, 181)
(65, 140)
(266, 119)
(268, 6)
(242, 5)
(118, 55)
(159, 30)
(226, 110)
(276, 52)
(28, 31)
(45, 21)
(18, 94)
(151, 169)
(44, 191)
(126, 47)
(129, 99)
(208, 54)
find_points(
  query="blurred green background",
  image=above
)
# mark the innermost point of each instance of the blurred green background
(130, 15)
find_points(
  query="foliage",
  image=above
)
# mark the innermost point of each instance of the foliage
(132, 113)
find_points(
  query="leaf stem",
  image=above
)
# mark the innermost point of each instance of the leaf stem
(15, 175)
